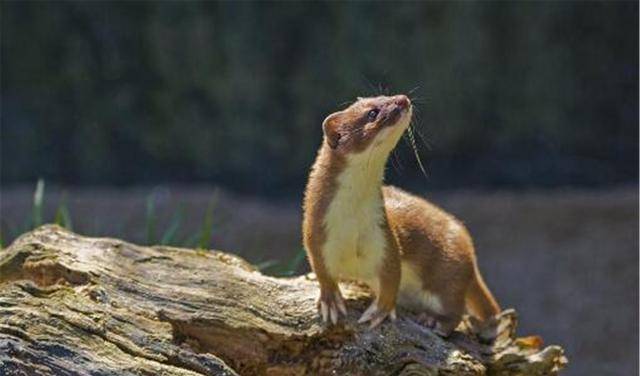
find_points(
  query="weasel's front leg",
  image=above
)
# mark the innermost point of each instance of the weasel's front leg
(330, 302)
(388, 283)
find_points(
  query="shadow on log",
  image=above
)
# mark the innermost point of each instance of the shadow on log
(74, 305)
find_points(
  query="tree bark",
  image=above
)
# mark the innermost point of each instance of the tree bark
(73, 305)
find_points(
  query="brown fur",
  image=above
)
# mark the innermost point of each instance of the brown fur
(320, 189)
(437, 245)
(442, 249)
(390, 272)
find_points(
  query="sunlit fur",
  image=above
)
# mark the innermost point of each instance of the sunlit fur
(413, 295)
(406, 249)
(355, 243)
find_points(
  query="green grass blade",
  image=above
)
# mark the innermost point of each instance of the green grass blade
(63, 217)
(207, 226)
(169, 235)
(295, 263)
(151, 219)
(191, 241)
(264, 266)
(38, 196)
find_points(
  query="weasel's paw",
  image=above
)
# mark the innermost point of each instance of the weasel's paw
(443, 328)
(426, 320)
(330, 304)
(376, 314)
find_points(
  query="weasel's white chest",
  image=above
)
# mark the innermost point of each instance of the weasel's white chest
(355, 243)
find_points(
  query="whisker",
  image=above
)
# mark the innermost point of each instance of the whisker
(398, 161)
(419, 100)
(414, 124)
(415, 151)
(412, 90)
(423, 139)
(345, 103)
(395, 163)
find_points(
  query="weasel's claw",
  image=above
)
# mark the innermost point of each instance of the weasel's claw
(368, 314)
(377, 321)
(438, 327)
(331, 307)
(426, 320)
(376, 315)
(334, 314)
(341, 307)
(324, 311)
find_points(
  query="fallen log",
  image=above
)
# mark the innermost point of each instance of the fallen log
(73, 305)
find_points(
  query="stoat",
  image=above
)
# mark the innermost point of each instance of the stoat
(407, 250)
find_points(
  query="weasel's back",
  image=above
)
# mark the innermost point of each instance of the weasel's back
(426, 231)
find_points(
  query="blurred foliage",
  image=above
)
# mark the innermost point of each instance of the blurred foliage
(509, 93)
(202, 240)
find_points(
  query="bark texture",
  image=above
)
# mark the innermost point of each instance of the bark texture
(73, 305)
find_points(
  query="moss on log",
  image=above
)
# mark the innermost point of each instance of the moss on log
(73, 305)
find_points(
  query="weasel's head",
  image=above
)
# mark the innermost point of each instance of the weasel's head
(376, 122)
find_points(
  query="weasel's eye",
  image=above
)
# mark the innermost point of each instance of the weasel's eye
(373, 114)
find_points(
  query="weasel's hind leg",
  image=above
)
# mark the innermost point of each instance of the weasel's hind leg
(426, 319)
(441, 325)
(453, 308)
(445, 316)
(445, 325)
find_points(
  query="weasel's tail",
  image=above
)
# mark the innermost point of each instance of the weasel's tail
(480, 301)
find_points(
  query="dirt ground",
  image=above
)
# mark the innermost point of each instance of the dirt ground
(566, 259)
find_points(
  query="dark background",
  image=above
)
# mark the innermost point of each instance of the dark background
(194, 124)
(510, 94)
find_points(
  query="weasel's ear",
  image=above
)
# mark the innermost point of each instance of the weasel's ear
(331, 129)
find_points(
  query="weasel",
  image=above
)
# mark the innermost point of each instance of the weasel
(407, 250)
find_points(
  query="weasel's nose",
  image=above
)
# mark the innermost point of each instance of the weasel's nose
(402, 101)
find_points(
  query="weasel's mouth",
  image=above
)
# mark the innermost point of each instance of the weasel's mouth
(391, 118)
(394, 116)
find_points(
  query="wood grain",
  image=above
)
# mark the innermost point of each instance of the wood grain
(73, 305)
